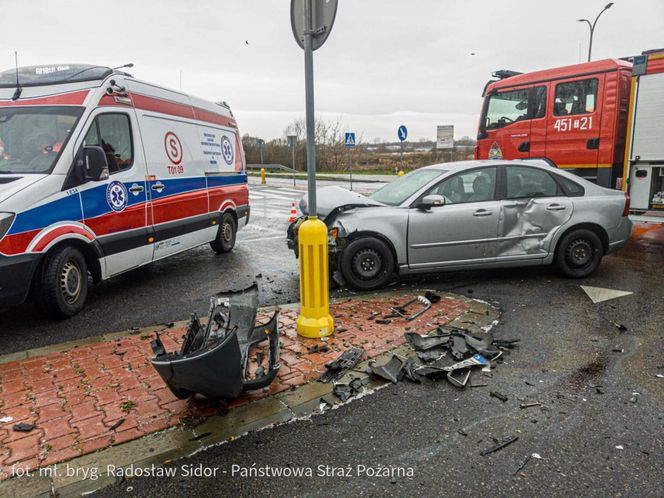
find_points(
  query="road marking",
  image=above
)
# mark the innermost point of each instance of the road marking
(599, 294)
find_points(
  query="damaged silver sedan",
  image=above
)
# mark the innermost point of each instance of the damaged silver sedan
(470, 215)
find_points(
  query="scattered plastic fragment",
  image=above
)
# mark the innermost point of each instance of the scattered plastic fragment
(383, 321)
(318, 348)
(620, 447)
(347, 360)
(6, 420)
(500, 396)
(660, 376)
(117, 424)
(500, 445)
(529, 405)
(429, 356)
(392, 370)
(23, 427)
(526, 460)
(425, 342)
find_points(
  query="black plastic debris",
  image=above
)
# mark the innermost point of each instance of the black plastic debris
(335, 369)
(346, 391)
(434, 298)
(409, 370)
(431, 355)
(213, 360)
(117, 424)
(318, 348)
(392, 370)
(500, 396)
(23, 427)
(500, 445)
(425, 342)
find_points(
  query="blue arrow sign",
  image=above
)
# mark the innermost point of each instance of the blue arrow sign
(402, 132)
(349, 139)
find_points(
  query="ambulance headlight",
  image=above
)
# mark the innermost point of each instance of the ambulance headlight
(6, 220)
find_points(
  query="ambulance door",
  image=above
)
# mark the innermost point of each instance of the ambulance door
(505, 127)
(116, 208)
(573, 123)
(538, 105)
(177, 184)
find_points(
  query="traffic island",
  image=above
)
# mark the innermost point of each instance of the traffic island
(99, 401)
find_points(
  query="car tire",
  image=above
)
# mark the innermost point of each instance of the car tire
(367, 263)
(62, 285)
(226, 234)
(579, 253)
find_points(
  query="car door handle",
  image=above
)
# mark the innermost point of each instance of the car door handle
(555, 207)
(482, 212)
(136, 189)
(158, 187)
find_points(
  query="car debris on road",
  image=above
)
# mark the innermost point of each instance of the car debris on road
(213, 360)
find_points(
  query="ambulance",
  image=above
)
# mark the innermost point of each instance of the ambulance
(603, 120)
(101, 173)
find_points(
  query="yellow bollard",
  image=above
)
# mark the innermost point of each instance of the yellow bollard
(314, 319)
(400, 173)
(263, 180)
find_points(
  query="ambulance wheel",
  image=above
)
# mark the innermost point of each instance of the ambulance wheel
(62, 287)
(226, 234)
(579, 253)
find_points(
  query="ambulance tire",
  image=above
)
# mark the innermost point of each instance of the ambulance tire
(579, 253)
(62, 286)
(226, 235)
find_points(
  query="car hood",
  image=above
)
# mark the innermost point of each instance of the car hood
(11, 184)
(329, 198)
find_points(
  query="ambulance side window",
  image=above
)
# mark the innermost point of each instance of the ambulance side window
(112, 132)
(575, 97)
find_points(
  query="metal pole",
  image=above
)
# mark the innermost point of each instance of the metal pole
(401, 159)
(350, 167)
(309, 96)
(293, 156)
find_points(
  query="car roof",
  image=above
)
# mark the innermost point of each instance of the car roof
(461, 165)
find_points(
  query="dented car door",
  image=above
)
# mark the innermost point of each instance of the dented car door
(533, 210)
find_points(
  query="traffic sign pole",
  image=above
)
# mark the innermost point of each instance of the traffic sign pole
(314, 319)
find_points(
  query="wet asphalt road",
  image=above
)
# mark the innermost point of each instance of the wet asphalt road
(599, 431)
(593, 441)
(171, 289)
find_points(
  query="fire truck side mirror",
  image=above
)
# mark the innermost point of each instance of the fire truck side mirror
(95, 164)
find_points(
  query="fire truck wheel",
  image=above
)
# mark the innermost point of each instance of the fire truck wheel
(62, 283)
(226, 234)
(579, 253)
(367, 263)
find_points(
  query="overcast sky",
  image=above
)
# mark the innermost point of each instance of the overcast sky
(386, 62)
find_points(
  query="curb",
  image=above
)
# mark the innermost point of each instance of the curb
(74, 478)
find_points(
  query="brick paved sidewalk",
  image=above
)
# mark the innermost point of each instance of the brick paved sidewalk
(77, 398)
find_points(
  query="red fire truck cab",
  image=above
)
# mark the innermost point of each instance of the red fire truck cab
(573, 116)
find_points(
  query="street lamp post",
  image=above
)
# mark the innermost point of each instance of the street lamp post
(592, 27)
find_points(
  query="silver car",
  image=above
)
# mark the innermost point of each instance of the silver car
(471, 215)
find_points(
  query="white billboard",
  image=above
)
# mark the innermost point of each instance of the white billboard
(445, 137)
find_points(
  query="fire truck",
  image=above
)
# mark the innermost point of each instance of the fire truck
(603, 120)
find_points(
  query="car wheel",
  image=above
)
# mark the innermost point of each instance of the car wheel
(579, 253)
(226, 234)
(62, 285)
(367, 263)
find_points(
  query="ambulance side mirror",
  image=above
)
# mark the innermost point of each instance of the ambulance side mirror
(95, 164)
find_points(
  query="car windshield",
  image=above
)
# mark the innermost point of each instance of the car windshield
(402, 188)
(31, 138)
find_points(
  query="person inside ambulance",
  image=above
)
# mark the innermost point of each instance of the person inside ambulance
(560, 108)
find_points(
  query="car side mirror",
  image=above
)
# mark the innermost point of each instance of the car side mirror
(95, 164)
(432, 200)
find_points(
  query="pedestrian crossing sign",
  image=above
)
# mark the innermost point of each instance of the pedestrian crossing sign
(349, 139)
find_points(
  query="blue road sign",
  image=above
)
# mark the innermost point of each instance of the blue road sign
(402, 132)
(349, 139)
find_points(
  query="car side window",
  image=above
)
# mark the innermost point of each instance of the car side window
(572, 188)
(529, 182)
(477, 185)
(112, 132)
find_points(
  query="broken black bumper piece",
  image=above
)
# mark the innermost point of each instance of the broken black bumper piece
(213, 360)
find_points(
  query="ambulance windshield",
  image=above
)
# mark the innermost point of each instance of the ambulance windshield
(31, 138)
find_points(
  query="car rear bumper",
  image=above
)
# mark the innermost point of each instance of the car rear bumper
(15, 278)
(620, 236)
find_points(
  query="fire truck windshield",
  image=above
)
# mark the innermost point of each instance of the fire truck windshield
(31, 138)
(504, 108)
